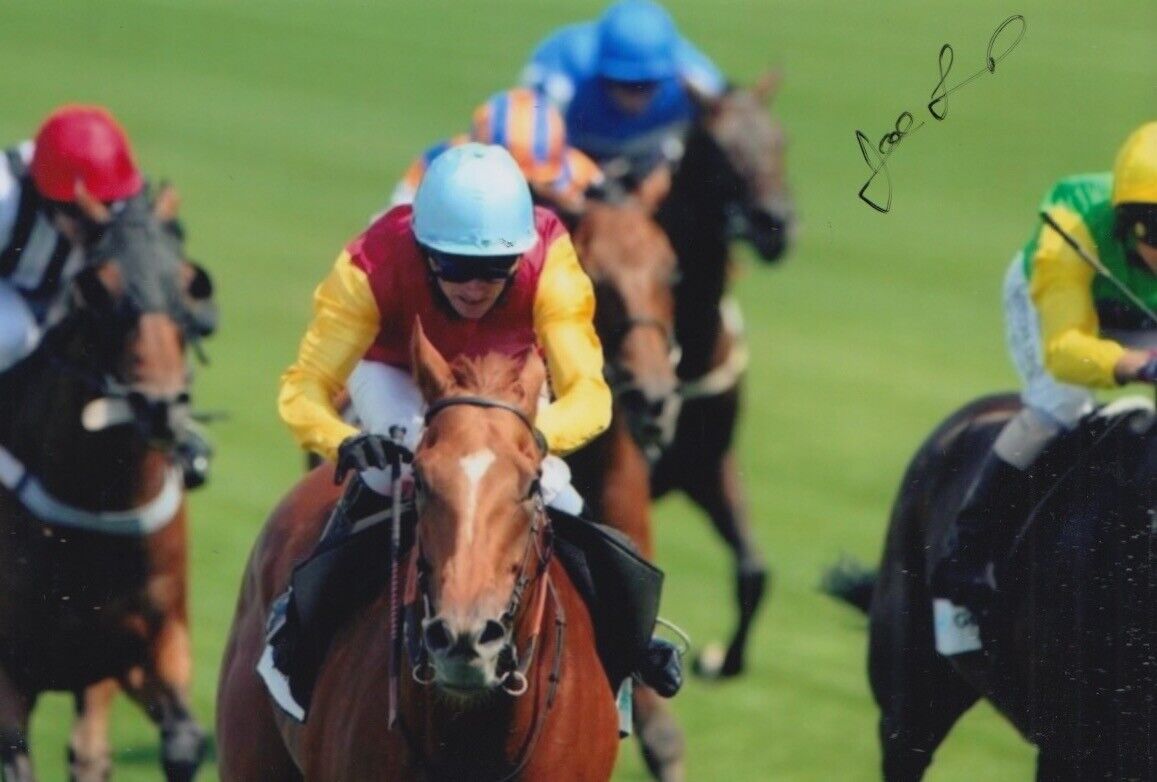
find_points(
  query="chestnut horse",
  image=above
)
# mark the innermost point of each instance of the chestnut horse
(500, 678)
(92, 513)
(1070, 641)
(632, 265)
(730, 184)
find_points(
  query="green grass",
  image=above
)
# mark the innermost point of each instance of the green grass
(286, 123)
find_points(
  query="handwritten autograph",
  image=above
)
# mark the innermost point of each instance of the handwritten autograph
(938, 107)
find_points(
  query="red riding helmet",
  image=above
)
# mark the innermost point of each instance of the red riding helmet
(84, 144)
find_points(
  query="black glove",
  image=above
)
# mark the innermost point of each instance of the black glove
(363, 451)
(1147, 372)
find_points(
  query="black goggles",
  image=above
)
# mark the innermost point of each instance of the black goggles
(644, 87)
(464, 268)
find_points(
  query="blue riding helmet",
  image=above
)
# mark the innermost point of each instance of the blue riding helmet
(473, 200)
(637, 42)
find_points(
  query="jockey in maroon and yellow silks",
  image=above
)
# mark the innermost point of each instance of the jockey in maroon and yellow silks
(366, 307)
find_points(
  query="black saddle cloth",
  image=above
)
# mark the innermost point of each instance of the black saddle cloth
(620, 587)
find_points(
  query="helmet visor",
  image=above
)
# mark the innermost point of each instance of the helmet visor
(464, 268)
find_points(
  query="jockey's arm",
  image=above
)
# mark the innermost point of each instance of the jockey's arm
(1061, 287)
(345, 322)
(564, 307)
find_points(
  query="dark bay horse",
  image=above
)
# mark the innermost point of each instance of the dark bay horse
(506, 683)
(92, 513)
(1069, 647)
(730, 184)
(632, 265)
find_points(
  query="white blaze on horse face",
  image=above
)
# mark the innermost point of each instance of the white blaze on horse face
(475, 466)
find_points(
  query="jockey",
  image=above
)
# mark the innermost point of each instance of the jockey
(484, 270)
(1069, 330)
(45, 237)
(627, 84)
(532, 131)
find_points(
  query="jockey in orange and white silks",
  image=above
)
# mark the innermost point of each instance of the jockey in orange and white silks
(532, 131)
(43, 235)
(485, 270)
(1071, 328)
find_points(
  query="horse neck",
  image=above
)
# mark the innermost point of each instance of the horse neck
(695, 220)
(486, 741)
(109, 469)
(613, 477)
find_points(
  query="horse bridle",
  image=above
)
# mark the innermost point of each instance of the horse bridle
(617, 377)
(514, 681)
(539, 539)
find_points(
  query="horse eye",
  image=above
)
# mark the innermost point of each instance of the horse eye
(535, 489)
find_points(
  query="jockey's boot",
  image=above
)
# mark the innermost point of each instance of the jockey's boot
(996, 496)
(344, 569)
(193, 455)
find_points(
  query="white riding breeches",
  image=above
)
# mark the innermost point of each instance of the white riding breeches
(1062, 403)
(20, 332)
(385, 397)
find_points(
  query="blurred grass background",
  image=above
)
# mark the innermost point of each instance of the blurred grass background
(286, 123)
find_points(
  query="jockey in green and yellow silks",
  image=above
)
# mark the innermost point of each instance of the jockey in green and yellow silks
(1070, 330)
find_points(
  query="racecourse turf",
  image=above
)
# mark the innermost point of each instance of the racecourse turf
(285, 124)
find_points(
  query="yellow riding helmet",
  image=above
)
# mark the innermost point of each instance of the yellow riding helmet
(1135, 172)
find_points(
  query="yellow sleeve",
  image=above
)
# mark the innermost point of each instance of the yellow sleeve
(564, 308)
(345, 322)
(1062, 289)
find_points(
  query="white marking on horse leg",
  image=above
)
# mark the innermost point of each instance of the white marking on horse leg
(475, 466)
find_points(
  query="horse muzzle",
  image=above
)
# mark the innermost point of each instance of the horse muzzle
(469, 659)
(651, 418)
(160, 419)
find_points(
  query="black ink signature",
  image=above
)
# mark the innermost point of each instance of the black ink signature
(937, 107)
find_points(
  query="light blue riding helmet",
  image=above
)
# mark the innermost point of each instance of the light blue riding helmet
(474, 200)
(637, 42)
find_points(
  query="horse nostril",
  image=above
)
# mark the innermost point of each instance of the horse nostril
(492, 632)
(633, 399)
(437, 636)
(656, 408)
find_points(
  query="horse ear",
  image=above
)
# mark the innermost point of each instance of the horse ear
(530, 380)
(167, 203)
(431, 372)
(767, 86)
(90, 205)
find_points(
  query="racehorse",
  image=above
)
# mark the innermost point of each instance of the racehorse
(500, 675)
(92, 512)
(632, 266)
(1068, 646)
(730, 184)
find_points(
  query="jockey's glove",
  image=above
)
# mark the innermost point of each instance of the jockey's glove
(368, 450)
(1147, 372)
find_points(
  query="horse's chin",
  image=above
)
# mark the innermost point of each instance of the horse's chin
(465, 681)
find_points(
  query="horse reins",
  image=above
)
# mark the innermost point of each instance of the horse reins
(514, 679)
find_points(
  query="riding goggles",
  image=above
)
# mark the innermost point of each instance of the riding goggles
(464, 268)
(644, 87)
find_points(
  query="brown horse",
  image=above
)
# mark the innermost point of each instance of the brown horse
(500, 680)
(730, 184)
(1070, 641)
(632, 265)
(92, 514)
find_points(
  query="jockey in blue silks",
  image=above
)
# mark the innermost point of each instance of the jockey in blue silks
(625, 84)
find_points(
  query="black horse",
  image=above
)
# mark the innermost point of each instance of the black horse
(92, 513)
(1069, 648)
(730, 184)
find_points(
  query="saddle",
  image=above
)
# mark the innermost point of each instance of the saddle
(1086, 459)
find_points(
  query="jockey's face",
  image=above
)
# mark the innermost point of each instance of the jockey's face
(631, 97)
(1148, 254)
